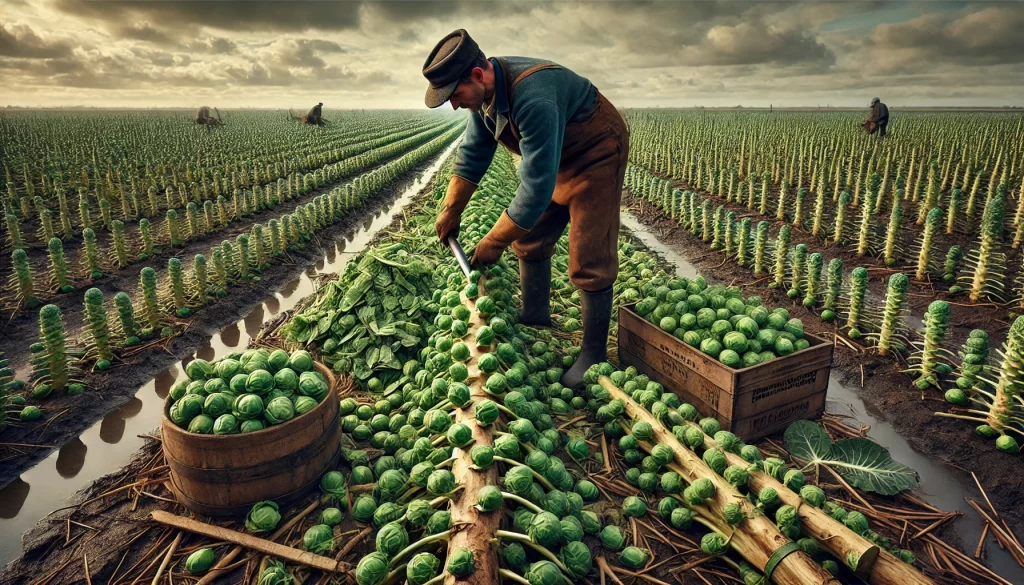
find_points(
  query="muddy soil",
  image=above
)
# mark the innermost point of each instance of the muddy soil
(65, 417)
(880, 380)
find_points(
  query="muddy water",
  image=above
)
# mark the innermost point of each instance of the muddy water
(940, 486)
(107, 445)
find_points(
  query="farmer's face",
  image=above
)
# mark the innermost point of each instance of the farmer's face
(470, 93)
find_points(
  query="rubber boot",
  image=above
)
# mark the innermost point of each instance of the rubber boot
(535, 289)
(597, 314)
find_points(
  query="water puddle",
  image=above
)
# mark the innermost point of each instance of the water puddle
(939, 486)
(50, 484)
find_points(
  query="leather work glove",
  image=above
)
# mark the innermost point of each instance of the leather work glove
(490, 247)
(455, 201)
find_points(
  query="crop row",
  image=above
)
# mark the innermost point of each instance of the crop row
(126, 247)
(159, 306)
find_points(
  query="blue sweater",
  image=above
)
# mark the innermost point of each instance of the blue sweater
(542, 105)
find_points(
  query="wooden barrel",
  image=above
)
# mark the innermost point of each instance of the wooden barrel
(224, 475)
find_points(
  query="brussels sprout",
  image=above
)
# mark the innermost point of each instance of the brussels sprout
(545, 530)
(482, 456)
(794, 479)
(372, 569)
(459, 435)
(391, 539)
(813, 495)
(716, 460)
(572, 529)
(199, 369)
(700, 490)
(314, 385)
(364, 508)
(303, 404)
(710, 426)
(612, 538)
(216, 404)
(440, 482)
(556, 502)
(713, 543)
(523, 429)
(486, 412)
(319, 539)
(277, 359)
(666, 506)
(590, 522)
(333, 484)
(643, 431)
(786, 516)
(857, 522)
(200, 561)
(279, 410)
(249, 426)
(301, 361)
(201, 424)
(507, 446)
(246, 407)
(632, 557)
(576, 557)
(736, 476)
(226, 424)
(489, 499)
(577, 449)
(422, 567)
(461, 562)
(331, 516)
(387, 512)
(662, 454)
(694, 437)
(774, 467)
(514, 555)
(733, 513)
(587, 490)
(767, 497)
(544, 573)
(263, 517)
(634, 507)
(286, 379)
(227, 368)
(681, 518)
(391, 484)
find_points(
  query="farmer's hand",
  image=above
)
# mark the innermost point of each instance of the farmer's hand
(487, 252)
(448, 223)
(460, 191)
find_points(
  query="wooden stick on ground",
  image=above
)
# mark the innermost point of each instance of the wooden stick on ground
(248, 541)
(226, 559)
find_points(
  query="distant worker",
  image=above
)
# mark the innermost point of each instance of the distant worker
(574, 147)
(315, 116)
(879, 118)
(203, 117)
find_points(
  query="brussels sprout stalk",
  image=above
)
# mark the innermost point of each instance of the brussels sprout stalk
(894, 301)
(935, 321)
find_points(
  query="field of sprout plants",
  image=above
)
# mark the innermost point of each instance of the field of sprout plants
(463, 458)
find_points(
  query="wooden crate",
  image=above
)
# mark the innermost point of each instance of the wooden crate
(751, 402)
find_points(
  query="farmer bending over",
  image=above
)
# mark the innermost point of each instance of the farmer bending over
(574, 146)
(880, 116)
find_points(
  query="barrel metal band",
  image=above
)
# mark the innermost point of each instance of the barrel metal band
(776, 558)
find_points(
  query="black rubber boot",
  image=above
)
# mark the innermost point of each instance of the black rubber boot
(597, 314)
(535, 289)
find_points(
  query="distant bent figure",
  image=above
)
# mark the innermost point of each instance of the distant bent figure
(203, 117)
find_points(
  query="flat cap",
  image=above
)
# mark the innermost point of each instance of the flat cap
(447, 62)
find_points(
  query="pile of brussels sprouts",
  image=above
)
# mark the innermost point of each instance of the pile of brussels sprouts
(246, 391)
(718, 321)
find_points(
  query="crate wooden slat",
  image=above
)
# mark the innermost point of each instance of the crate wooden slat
(751, 402)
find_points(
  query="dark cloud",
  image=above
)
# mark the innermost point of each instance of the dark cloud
(22, 42)
(749, 43)
(143, 31)
(989, 36)
(233, 15)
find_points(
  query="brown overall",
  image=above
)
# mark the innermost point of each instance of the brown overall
(588, 191)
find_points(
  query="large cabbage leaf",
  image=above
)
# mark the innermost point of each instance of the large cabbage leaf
(863, 463)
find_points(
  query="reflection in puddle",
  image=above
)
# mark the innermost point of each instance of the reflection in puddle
(116, 438)
(231, 335)
(71, 458)
(12, 498)
(253, 321)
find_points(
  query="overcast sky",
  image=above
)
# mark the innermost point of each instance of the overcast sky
(352, 54)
